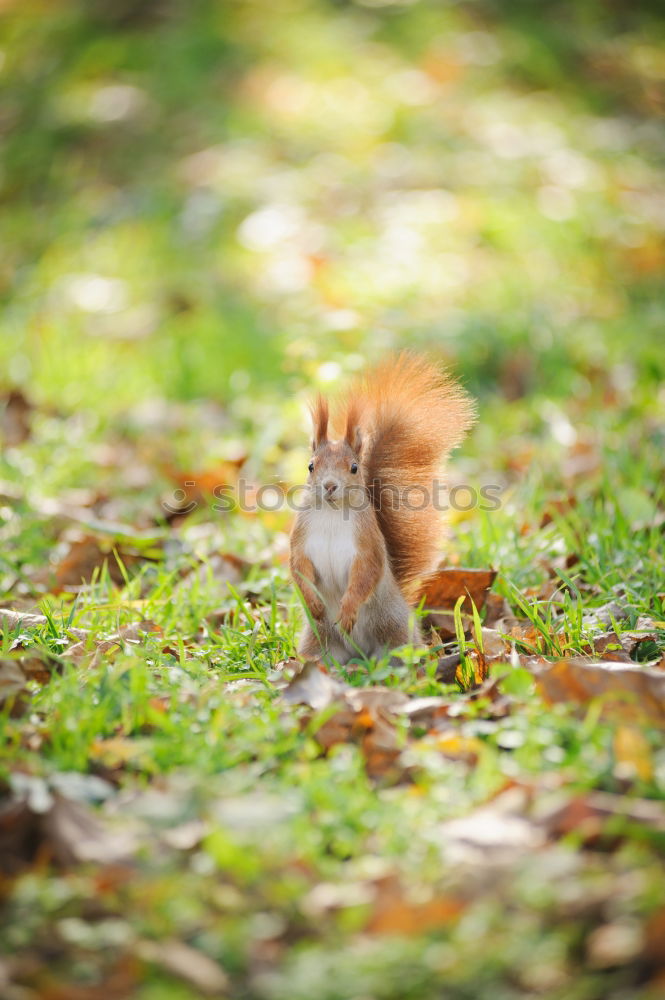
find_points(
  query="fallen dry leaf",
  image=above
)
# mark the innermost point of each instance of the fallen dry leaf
(376, 700)
(223, 567)
(423, 711)
(614, 944)
(397, 914)
(623, 647)
(520, 630)
(369, 717)
(371, 725)
(38, 819)
(74, 834)
(85, 558)
(654, 946)
(12, 680)
(495, 647)
(187, 963)
(116, 751)
(458, 747)
(614, 611)
(194, 489)
(14, 676)
(557, 507)
(498, 833)
(366, 716)
(446, 668)
(11, 620)
(640, 690)
(632, 754)
(490, 648)
(496, 607)
(91, 651)
(443, 588)
(609, 647)
(15, 418)
(441, 625)
(313, 686)
(598, 818)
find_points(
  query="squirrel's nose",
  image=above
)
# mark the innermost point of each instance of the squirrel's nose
(330, 486)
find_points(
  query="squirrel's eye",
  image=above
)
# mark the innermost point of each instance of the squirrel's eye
(354, 467)
(311, 466)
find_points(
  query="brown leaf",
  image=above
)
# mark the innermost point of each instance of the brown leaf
(489, 648)
(557, 507)
(10, 620)
(188, 964)
(609, 647)
(587, 816)
(399, 915)
(605, 615)
(443, 589)
(632, 754)
(423, 711)
(85, 558)
(641, 690)
(614, 944)
(442, 625)
(222, 567)
(458, 747)
(12, 680)
(366, 716)
(519, 629)
(313, 686)
(337, 729)
(497, 832)
(496, 607)
(10, 493)
(14, 675)
(495, 647)
(195, 488)
(15, 418)
(91, 651)
(116, 751)
(646, 630)
(376, 700)
(75, 834)
(654, 946)
(446, 668)
(38, 820)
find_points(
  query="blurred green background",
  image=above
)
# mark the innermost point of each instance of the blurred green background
(237, 200)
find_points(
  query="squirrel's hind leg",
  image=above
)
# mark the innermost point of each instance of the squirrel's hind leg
(392, 631)
(313, 645)
(323, 645)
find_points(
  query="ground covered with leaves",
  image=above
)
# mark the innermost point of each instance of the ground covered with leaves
(210, 211)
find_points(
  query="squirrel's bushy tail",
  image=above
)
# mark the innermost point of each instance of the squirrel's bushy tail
(410, 415)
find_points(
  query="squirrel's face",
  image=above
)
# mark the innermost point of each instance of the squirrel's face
(335, 474)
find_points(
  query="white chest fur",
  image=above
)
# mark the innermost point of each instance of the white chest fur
(331, 546)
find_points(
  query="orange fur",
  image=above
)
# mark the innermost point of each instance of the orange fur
(320, 421)
(408, 415)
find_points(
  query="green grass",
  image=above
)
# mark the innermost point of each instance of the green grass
(279, 194)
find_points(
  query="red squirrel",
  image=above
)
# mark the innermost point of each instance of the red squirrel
(368, 531)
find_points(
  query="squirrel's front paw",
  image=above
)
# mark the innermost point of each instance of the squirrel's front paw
(316, 610)
(347, 619)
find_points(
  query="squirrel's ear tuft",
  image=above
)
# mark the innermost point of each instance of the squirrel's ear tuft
(356, 441)
(353, 435)
(320, 422)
